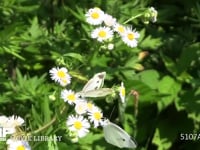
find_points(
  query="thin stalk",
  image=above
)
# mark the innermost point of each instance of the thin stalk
(48, 124)
(132, 18)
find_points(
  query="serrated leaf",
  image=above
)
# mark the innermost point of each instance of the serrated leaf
(131, 62)
(146, 94)
(190, 102)
(169, 129)
(169, 87)
(188, 55)
(100, 60)
(149, 77)
(152, 43)
(170, 64)
(162, 143)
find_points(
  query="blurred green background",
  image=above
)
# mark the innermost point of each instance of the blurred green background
(38, 35)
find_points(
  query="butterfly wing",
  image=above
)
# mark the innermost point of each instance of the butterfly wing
(117, 136)
(95, 83)
(102, 92)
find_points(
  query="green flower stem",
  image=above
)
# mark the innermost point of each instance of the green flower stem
(48, 124)
(132, 18)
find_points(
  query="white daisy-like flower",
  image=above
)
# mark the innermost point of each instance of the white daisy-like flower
(60, 75)
(3, 121)
(69, 96)
(90, 106)
(102, 33)
(11, 122)
(130, 37)
(120, 29)
(94, 16)
(65, 81)
(17, 145)
(81, 107)
(96, 116)
(78, 125)
(7, 128)
(122, 92)
(109, 20)
(14, 121)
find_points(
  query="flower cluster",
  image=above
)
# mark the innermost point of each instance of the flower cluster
(108, 25)
(150, 15)
(85, 111)
(87, 114)
(10, 124)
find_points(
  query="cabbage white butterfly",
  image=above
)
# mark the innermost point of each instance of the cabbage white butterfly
(93, 87)
(95, 82)
(102, 92)
(115, 135)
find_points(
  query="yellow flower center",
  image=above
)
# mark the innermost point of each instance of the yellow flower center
(102, 33)
(131, 36)
(89, 105)
(21, 147)
(64, 81)
(121, 29)
(97, 115)
(123, 92)
(95, 15)
(78, 125)
(80, 108)
(61, 74)
(71, 97)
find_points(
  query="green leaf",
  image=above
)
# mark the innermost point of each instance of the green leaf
(90, 138)
(169, 64)
(162, 143)
(100, 60)
(152, 43)
(26, 9)
(131, 62)
(190, 101)
(170, 88)
(149, 77)
(36, 117)
(188, 55)
(169, 129)
(75, 56)
(35, 30)
(146, 93)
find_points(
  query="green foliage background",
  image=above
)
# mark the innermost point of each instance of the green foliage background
(38, 35)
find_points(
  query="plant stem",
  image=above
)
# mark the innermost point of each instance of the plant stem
(48, 124)
(133, 18)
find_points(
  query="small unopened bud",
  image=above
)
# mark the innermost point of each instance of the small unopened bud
(110, 46)
(142, 55)
(138, 67)
(74, 140)
(153, 14)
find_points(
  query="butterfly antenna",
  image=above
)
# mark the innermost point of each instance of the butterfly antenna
(112, 112)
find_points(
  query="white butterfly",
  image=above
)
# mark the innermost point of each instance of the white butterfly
(93, 87)
(95, 82)
(115, 135)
